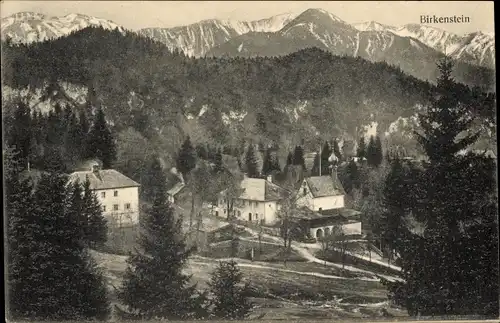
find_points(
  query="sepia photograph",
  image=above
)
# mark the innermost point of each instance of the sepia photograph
(249, 160)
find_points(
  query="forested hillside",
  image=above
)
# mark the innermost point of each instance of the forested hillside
(302, 98)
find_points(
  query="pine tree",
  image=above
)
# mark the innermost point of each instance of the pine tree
(275, 164)
(251, 163)
(230, 300)
(298, 157)
(267, 163)
(325, 154)
(73, 288)
(154, 284)
(371, 153)
(100, 142)
(186, 159)
(315, 168)
(153, 178)
(361, 151)
(94, 223)
(289, 159)
(19, 133)
(379, 153)
(455, 195)
(353, 177)
(218, 162)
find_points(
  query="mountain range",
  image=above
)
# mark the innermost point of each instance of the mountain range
(280, 35)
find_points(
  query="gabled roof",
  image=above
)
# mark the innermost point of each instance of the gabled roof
(258, 189)
(176, 189)
(325, 186)
(103, 179)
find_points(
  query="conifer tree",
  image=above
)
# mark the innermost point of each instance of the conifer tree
(251, 163)
(361, 150)
(455, 195)
(94, 223)
(152, 178)
(371, 152)
(315, 168)
(325, 154)
(267, 163)
(154, 283)
(19, 133)
(230, 300)
(353, 177)
(218, 161)
(186, 159)
(289, 159)
(100, 142)
(275, 164)
(379, 153)
(73, 288)
(298, 157)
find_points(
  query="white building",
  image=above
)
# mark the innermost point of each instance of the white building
(259, 201)
(117, 194)
(319, 193)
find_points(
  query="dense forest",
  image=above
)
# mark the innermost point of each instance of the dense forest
(308, 95)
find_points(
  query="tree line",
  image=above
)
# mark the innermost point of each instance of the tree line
(58, 139)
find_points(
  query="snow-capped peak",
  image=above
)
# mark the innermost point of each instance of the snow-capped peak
(372, 26)
(27, 27)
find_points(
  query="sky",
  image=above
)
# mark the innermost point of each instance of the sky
(141, 14)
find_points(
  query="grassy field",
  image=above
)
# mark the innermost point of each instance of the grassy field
(297, 290)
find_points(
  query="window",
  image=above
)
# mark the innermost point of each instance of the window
(224, 211)
(115, 193)
(115, 207)
(320, 209)
(249, 216)
(305, 191)
(127, 206)
(104, 208)
(103, 194)
(216, 213)
(256, 217)
(256, 204)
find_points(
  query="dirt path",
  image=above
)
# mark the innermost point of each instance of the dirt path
(304, 252)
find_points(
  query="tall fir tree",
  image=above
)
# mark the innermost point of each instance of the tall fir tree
(73, 288)
(19, 134)
(455, 201)
(361, 150)
(153, 178)
(371, 152)
(352, 180)
(315, 167)
(379, 152)
(186, 159)
(325, 154)
(289, 159)
(100, 142)
(94, 222)
(218, 163)
(230, 294)
(154, 285)
(275, 164)
(298, 157)
(252, 168)
(267, 163)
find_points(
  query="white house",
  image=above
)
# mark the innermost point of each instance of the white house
(117, 194)
(259, 201)
(319, 193)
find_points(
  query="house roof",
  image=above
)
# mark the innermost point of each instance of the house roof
(325, 186)
(103, 179)
(176, 189)
(258, 189)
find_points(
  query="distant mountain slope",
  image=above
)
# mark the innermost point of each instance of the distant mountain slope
(27, 27)
(314, 27)
(304, 97)
(318, 28)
